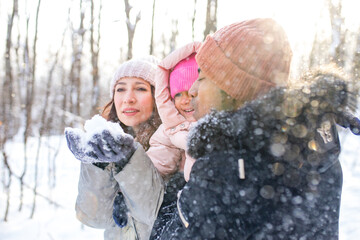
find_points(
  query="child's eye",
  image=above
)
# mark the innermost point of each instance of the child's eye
(120, 89)
(178, 95)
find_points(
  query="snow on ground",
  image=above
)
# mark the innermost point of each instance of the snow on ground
(55, 223)
(350, 200)
(49, 222)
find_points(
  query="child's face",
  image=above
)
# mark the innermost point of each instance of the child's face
(182, 104)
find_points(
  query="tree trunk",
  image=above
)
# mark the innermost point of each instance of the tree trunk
(6, 106)
(211, 17)
(356, 59)
(75, 71)
(94, 47)
(193, 21)
(32, 98)
(174, 34)
(151, 52)
(337, 50)
(7, 186)
(130, 27)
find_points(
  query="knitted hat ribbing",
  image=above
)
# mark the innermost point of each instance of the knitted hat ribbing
(143, 68)
(184, 75)
(246, 59)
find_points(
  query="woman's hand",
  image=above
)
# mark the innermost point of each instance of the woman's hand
(101, 142)
(108, 148)
(101, 147)
(74, 139)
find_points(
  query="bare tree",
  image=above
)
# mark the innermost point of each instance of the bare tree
(6, 118)
(7, 86)
(7, 185)
(27, 80)
(31, 99)
(77, 40)
(319, 54)
(337, 50)
(6, 106)
(356, 59)
(325, 51)
(130, 27)
(94, 48)
(211, 17)
(174, 34)
(193, 21)
(152, 29)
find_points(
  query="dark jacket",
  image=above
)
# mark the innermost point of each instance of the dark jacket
(290, 184)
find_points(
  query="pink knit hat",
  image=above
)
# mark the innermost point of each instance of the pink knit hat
(246, 59)
(143, 68)
(183, 75)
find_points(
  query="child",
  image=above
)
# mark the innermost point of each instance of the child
(179, 71)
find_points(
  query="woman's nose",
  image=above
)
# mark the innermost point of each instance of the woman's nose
(129, 97)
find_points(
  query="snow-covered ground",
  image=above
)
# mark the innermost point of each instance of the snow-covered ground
(49, 222)
(55, 223)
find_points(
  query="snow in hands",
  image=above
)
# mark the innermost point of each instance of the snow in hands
(102, 141)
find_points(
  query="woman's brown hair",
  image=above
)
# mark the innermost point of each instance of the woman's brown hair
(145, 130)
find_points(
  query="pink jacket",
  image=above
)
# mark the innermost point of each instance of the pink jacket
(173, 132)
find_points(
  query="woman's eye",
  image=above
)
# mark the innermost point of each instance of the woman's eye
(120, 89)
(141, 89)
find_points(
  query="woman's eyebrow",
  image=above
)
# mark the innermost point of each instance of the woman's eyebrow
(140, 83)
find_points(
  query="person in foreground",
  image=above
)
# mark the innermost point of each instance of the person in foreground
(266, 155)
(119, 188)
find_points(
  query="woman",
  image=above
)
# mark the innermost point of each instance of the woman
(121, 169)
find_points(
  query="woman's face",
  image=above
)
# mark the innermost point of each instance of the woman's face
(182, 103)
(133, 101)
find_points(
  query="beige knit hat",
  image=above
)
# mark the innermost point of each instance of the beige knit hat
(144, 68)
(246, 59)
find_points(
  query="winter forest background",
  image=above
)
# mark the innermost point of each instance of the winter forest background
(57, 59)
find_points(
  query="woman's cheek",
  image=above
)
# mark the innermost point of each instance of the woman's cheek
(147, 103)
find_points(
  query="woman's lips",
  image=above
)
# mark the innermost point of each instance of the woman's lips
(130, 111)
